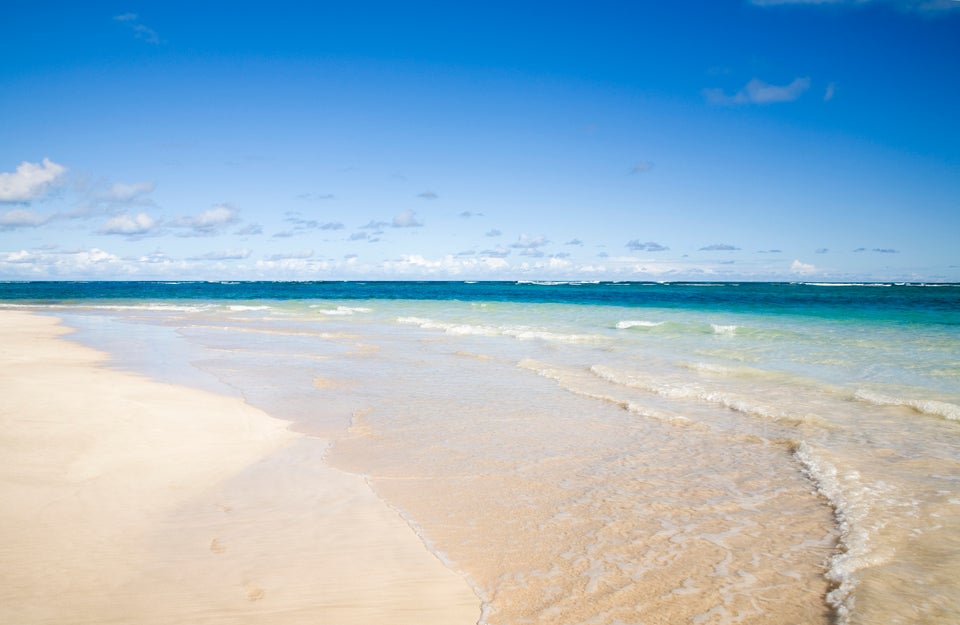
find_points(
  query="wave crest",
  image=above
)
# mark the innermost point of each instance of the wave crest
(930, 407)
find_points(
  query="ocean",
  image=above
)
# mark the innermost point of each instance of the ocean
(603, 453)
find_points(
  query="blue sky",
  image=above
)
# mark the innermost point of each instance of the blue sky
(722, 140)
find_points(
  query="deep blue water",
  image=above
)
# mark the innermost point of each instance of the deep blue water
(900, 303)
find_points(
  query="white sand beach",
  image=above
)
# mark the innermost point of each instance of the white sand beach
(125, 500)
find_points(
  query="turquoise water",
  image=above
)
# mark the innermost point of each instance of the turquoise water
(605, 452)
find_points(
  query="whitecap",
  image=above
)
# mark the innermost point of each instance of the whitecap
(931, 407)
(341, 311)
(517, 332)
(723, 329)
(626, 325)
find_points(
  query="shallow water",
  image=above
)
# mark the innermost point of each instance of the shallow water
(717, 457)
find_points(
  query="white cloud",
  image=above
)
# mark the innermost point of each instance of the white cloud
(110, 200)
(493, 232)
(127, 193)
(374, 225)
(497, 253)
(91, 263)
(407, 219)
(640, 168)
(137, 225)
(879, 250)
(313, 197)
(830, 92)
(250, 230)
(301, 225)
(526, 242)
(292, 267)
(238, 254)
(428, 195)
(719, 247)
(650, 246)
(758, 92)
(155, 257)
(53, 263)
(301, 255)
(23, 256)
(20, 218)
(210, 222)
(30, 181)
(92, 258)
(140, 31)
(802, 268)
(448, 265)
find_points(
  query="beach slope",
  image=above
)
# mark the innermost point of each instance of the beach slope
(123, 500)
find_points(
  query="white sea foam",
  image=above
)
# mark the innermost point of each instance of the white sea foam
(341, 311)
(723, 329)
(149, 307)
(675, 389)
(714, 370)
(241, 308)
(851, 501)
(552, 373)
(848, 284)
(626, 325)
(529, 333)
(680, 327)
(931, 407)
(460, 329)
(109, 307)
(517, 332)
(558, 282)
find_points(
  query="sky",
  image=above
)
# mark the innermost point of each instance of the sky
(795, 140)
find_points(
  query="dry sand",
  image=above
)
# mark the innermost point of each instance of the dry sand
(124, 500)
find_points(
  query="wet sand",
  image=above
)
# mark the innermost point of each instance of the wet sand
(128, 500)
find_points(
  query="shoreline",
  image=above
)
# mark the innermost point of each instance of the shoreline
(127, 499)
